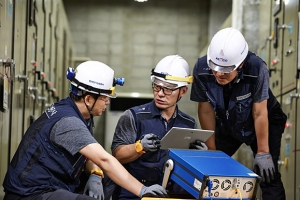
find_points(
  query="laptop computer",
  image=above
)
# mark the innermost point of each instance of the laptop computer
(180, 138)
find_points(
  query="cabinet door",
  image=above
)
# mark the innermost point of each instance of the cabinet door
(287, 155)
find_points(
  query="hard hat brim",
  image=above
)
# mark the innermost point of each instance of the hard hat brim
(111, 96)
(222, 69)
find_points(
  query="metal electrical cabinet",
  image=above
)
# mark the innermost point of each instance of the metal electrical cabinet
(296, 151)
(31, 89)
(283, 63)
(265, 30)
(22, 67)
(20, 80)
(286, 162)
(6, 78)
(283, 82)
(289, 33)
(276, 60)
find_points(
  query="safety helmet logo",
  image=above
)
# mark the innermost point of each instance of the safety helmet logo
(165, 73)
(95, 82)
(222, 59)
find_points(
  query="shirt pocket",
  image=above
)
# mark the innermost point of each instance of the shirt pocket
(244, 124)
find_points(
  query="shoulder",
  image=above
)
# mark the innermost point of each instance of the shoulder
(69, 123)
(201, 62)
(201, 67)
(254, 63)
(253, 57)
(127, 115)
(144, 108)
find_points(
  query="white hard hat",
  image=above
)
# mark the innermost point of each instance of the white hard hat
(94, 77)
(227, 50)
(172, 69)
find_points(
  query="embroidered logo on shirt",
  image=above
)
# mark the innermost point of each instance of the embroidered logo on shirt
(51, 111)
(244, 96)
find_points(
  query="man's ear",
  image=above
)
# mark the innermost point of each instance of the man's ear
(183, 90)
(87, 99)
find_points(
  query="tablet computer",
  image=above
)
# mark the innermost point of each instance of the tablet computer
(180, 138)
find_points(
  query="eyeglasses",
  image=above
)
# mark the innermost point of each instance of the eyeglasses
(166, 91)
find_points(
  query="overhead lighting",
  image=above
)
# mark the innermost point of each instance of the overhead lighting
(141, 0)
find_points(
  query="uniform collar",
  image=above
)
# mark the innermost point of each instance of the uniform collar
(156, 112)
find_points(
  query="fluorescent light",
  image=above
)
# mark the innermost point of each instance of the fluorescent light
(135, 94)
(141, 0)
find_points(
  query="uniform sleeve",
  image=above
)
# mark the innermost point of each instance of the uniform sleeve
(261, 92)
(71, 134)
(197, 93)
(125, 132)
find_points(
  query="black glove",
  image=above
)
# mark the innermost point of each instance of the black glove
(94, 187)
(150, 142)
(263, 165)
(198, 144)
(153, 191)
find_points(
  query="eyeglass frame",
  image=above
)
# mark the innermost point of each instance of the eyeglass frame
(163, 89)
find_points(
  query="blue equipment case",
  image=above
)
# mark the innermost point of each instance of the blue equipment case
(210, 174)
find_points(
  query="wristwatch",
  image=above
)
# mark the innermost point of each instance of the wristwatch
(139, 147)
(98, 172)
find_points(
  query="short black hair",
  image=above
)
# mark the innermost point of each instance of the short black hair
(78, 98)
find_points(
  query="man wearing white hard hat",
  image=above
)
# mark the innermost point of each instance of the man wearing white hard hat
(136, 141)
(59, 145)
(231, 85)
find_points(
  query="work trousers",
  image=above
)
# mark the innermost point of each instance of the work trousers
(61, 194)
(51, 195)
(229, 145)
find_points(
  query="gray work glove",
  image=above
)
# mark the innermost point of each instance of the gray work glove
(198, 144)
(153, 191)
(150, 142)
(263, 165)
(94, 187)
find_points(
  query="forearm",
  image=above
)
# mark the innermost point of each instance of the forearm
(89, 166)
(262, 134)
(208, 125)
(207, 121)
(261, 124)
(126, 153)
(112, 168)
(120, 176)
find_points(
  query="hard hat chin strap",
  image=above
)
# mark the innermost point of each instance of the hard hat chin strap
(237, 77)
(91, 114)
(91, 109)
(178, 97)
